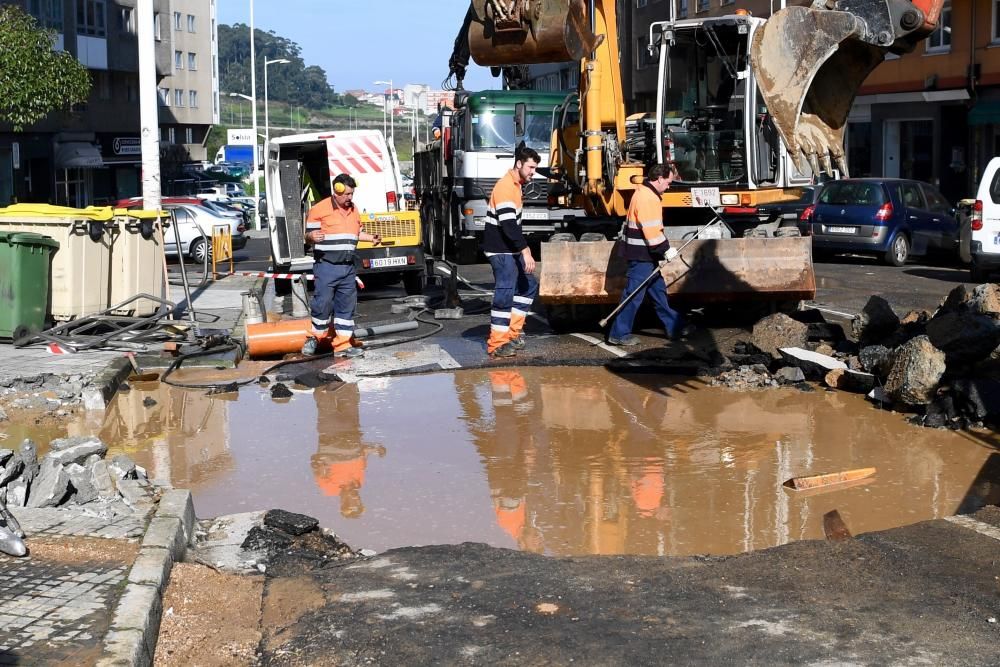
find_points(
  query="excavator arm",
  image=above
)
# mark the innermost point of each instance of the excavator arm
(810, 63)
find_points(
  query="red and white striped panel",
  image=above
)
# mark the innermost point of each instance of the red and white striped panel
(355, 155)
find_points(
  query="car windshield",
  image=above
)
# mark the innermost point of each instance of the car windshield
(847, 193)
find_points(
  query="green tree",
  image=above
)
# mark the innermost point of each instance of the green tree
(35, 80)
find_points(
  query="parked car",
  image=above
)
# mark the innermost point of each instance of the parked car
(790, 211)
(193, 219)
(985, 225)
(890, 218)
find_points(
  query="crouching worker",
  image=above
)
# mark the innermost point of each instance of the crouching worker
(510, 257)
(644, 246)
(333, 227)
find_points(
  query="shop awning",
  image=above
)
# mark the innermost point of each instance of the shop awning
(986, 112)
(78, 154)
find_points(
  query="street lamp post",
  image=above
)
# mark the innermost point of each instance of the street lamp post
(267, 118)
(253, 102)
(392, 129)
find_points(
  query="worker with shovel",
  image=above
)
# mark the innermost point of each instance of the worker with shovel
(644, 246)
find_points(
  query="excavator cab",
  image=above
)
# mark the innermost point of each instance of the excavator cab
(810, 63)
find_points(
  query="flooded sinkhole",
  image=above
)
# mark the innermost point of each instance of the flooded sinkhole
(556, 460)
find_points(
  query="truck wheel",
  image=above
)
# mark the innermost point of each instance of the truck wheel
(413, 282)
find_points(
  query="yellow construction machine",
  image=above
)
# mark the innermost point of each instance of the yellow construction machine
(747, 109)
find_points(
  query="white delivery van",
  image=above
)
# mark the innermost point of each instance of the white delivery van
(985, 224)
(301, 169)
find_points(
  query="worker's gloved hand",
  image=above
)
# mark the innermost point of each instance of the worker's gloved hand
(671, 253)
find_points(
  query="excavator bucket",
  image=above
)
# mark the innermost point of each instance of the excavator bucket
(525, 32)
(707, 271)
(809, 64)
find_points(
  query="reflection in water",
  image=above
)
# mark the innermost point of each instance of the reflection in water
(553, 460)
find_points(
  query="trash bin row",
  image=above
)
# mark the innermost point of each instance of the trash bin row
(101, 257)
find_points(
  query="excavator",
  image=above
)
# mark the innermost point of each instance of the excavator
(747, 110)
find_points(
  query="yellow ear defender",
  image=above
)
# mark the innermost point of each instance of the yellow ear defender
(339, 188)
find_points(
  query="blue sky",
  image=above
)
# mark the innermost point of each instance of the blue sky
(360, 41)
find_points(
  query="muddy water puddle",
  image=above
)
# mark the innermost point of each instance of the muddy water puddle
(560, 461)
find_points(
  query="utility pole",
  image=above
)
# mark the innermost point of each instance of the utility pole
(149, 122)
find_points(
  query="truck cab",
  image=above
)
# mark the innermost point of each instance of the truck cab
(455, 175)
(300, 171)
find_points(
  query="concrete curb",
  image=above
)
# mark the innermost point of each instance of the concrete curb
(135, 624)
(103, 388)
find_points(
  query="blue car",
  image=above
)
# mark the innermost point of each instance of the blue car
(889, 218)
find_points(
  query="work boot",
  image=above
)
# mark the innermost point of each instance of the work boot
(350, 353)
(517, 343)
(309, 347)
(505, 350)
(627, 341)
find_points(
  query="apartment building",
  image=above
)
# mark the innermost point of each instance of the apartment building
(91, 154)
(933, 114)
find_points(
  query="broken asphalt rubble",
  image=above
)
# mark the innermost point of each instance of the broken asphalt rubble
(942, 366)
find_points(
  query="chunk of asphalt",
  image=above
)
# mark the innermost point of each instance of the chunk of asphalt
(290, 522)
(280, 391)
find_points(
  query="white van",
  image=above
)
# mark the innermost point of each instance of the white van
(300, 171)
(985, 224)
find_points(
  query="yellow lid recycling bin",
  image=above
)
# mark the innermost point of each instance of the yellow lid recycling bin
(137, 260)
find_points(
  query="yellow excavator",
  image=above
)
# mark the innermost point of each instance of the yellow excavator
(747, 109)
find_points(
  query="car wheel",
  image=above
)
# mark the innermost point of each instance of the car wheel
(199, 248)
(898, 252)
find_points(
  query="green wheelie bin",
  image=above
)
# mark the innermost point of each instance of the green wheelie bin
(24, 282)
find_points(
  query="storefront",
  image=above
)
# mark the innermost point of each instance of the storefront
(121, 178)
(76, 156)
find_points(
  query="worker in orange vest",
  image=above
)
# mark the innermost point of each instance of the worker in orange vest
(644, 246)
(333, 227)
(510, 257)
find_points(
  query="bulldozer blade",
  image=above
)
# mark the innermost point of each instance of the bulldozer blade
(708, 271)
(809, 64)
(530, 32)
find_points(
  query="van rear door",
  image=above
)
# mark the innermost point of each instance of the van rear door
(365, 155)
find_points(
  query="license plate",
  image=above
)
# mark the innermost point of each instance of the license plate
(382, 262)
(534, 215)
(842, 230)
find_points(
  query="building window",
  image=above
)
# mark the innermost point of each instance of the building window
(157, 27)
(940, 39)
(702, 5)
(178, 97)
(193, 99)
(48, 13)
(90, 18)
(171, 135)
(178, 60)
(164, 97)
(192, 61)
(126, 20)
(190, 22)
(682, 9)
(640, 3)
(132, 91)
(643, 59)
(996, 20)
(189, 135)
(177, 20)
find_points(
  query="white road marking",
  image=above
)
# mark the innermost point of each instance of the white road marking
(976, 525)
(599, 343)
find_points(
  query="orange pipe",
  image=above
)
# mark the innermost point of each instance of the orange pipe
(271, 339)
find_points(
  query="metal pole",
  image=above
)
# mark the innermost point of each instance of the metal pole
(267, 132)
(149, 132)
(253, 94)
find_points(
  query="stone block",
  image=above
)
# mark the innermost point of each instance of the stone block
(789, 375)
(135, 491)
(151, 568)
(122, 467)
(5, 454)
(77, 453)
(178, 504)
(140, 608)
(985, 300)
(876, 321)
(166, 533)
(125, 648)
(60, 444)
(50, 487)
(916, 372)
(100, 479)
(811, 363)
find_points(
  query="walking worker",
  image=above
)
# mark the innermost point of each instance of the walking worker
(333, 227)
(644, 246)
(510, 257)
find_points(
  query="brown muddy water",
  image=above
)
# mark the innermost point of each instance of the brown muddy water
(561, 461)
